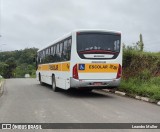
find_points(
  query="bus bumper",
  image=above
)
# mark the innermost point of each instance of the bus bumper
(77, 83)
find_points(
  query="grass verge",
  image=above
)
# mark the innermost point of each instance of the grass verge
(149, 88)
(0, 80)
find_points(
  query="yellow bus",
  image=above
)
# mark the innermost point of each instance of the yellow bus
(86, 59)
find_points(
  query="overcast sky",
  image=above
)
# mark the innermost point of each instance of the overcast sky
(35, 23)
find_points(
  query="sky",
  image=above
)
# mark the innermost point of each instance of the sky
(37, 23)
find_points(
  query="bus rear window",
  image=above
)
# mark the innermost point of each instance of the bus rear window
(98, 43)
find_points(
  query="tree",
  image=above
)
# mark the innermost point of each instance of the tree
(11, 67)
(3, 69)
(18, 63)
(140, 43)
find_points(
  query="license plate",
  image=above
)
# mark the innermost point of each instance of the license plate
(97, 83)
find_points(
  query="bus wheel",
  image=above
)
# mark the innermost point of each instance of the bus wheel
(55, 89)
(40, 80)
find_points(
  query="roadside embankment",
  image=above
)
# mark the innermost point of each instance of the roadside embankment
(141, 75)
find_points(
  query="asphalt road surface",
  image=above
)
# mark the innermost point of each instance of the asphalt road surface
(26, 101)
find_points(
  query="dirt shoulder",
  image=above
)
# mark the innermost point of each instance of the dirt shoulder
(1, 86)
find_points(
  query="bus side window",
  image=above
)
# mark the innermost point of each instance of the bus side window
(65, 50)
(51, 50)
(39, 58)
(54, 50)
(60, 52)
(57, 49)
(46, 52)
(43, 56)
(57, 56)
(54, 53)
(69, 49)
(51, 56)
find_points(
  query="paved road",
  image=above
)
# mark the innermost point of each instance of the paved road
(25, 100)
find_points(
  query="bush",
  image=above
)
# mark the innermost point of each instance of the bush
(136, 63)
(141, 73)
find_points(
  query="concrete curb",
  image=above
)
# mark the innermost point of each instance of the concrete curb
(120, 93)
(146, 99)
(138, 97)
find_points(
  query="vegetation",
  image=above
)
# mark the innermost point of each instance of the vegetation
(18, 63)
(1, 79)
(140, 43)
(141, 72)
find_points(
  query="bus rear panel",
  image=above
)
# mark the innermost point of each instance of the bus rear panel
(97, 59)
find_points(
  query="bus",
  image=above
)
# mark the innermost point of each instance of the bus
(82, 59)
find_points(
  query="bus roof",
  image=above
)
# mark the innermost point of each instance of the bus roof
(79, 30)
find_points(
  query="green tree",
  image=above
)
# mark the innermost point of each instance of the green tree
(140, 43)
(11, 67)
(3, 69)
(18, 63)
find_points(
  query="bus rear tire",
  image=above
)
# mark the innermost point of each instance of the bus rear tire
(40, 80)
(55, 89)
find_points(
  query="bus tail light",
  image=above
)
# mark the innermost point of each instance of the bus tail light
(119, 73)
(75, 72)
